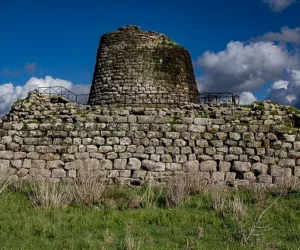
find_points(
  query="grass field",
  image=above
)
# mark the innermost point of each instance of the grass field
(144, 218)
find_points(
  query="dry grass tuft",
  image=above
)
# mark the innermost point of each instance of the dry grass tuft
(177, 191)
(150, 197)
(197, 184)
(237, 208)
(4, 183)
(88, 188)
(219, 200)
(49, 195)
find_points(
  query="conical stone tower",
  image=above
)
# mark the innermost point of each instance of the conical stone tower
(138, 68)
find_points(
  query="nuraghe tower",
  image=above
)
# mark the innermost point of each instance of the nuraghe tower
(138, 68)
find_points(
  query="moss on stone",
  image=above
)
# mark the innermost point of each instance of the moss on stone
(294, 110)
(273, 112)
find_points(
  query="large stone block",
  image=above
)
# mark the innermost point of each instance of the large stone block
(241, 167)
(208, 166)
(191, 166)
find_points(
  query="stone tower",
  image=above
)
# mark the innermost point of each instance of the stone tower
(138, 68)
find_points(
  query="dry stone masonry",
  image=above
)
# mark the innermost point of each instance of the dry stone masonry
(50, 137)
(135, 68)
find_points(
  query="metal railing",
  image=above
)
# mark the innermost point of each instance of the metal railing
(62, 91)
(161, 98)
(221, 97)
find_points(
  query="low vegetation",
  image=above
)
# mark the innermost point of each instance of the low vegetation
(188, 213)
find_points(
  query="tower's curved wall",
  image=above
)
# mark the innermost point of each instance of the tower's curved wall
(142, 68)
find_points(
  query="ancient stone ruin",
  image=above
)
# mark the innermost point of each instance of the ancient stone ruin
(134, 67)
(49, 137)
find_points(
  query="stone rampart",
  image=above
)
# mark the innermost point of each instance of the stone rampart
(49, 137)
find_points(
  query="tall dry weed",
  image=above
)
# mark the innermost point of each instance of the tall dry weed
(4, 183)
(47, 194)
(150, 197)
(198, 184)
(88, 187)
(219, 200)
(177, 191)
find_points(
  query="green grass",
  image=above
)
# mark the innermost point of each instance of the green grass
(193, 225)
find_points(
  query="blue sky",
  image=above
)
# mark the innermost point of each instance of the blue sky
(59, 39)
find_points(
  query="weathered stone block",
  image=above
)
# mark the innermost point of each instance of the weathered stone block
(191, 166)
(111, 155)
(58, 173)
(35, 164)
(16, 163)
(27, 163)
(197, 128)
(266, 179)
(202, 121)
(259, 168)
(98, 141)
(287, 163)
(208, 166)
(241, 167)
(230, 176)
(173, 166)
(7, 155)
(268, 160)
(72, 174)
(153, 166)
(231, 157)
(297, 171)
(125, 173)
(120, 163)
(112, 140)
(145, 119)
(105, 149)
(22, 172)
(134, 164)
(249, 176)
(166, 158)
(55, 164)
(235, 150)
(224, 166)
(218, 176)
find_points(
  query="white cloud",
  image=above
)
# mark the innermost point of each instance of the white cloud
(280, 84)
(242, 67)
(278, 5)
(10, 93)
(247, 98)
(288, 94)
(286, 35)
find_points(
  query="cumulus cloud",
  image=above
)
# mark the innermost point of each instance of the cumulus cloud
(10, 93)
(286, 35)
(247, 98)
(242, 67)
(280, 84)
(278, 5)
(287, 91)
(245, 67)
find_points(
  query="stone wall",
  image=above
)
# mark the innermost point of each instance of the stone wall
(49, 137)
(134, 67)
